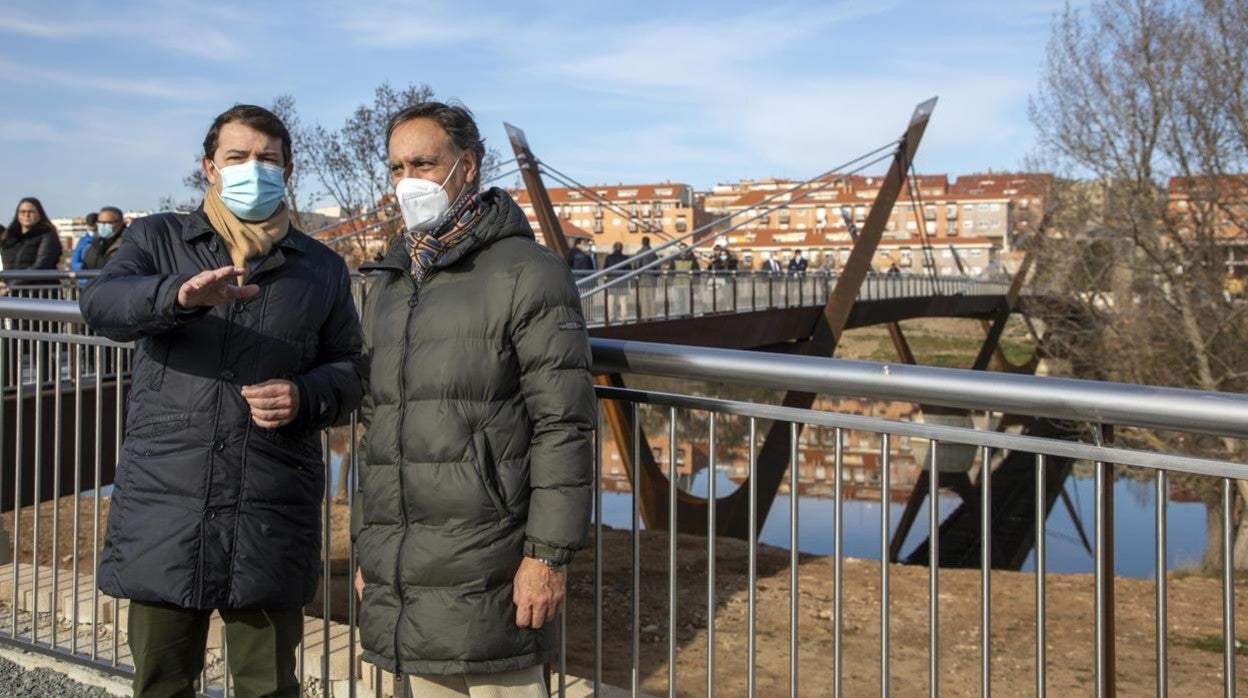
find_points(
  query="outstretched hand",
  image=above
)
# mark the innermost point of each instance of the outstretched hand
(209, 288)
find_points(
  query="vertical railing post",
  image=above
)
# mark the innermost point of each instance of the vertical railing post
(1106, 680)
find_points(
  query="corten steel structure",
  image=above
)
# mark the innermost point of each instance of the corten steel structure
(804, 329)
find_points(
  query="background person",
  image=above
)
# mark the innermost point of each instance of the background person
(80, 247)
(30, 241)
(110, 227)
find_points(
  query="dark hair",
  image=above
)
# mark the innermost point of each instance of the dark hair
(645, 241)
(43, 215)
(114, 209)
(250, 115)
(454, 118)
(92, 218)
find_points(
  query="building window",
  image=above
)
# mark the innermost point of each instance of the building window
(784, 216)
(680, 224)
(951, 211)
(929, 212)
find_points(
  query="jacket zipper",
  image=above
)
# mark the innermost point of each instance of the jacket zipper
(212, 460)
(398, 558)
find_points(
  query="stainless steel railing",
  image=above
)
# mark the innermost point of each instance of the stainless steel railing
(647, 296)
(669, 295)
(70, 386)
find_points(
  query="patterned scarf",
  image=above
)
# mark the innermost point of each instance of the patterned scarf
(426, 248)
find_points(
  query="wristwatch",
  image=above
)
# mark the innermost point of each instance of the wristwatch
(551, 565)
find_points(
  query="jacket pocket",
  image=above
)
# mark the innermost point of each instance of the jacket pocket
(300, 444)
(160, 425)
(488, 473)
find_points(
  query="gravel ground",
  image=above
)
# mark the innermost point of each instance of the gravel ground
(16, 681)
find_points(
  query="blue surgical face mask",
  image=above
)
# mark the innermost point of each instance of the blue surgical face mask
(104, 230)
(252, 190)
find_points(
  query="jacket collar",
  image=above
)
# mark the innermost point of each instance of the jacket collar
(502, 218)
(196, 226)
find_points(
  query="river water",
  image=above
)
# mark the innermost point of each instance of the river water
(1133, 534)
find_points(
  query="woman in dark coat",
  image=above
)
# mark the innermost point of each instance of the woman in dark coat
(30, 241)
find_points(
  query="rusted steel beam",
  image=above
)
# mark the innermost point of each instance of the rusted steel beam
(992, 343)
(774, 455)
(552, 231)
(904, 354)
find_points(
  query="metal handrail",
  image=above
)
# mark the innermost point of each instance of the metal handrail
(1102, 402)
(1221, 414)
(43, 360)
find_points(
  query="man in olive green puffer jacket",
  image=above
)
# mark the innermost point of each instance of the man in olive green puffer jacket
(475, 485)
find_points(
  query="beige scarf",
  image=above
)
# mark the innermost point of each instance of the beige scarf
(244, 239)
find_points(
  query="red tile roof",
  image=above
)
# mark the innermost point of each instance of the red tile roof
(669, 191)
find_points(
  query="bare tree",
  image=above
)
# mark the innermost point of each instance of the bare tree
(1148, 99)
(350, 163)
(284, 108)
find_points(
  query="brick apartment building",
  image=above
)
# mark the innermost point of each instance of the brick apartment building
(622, 213)
(1216, 206)
(970, 223)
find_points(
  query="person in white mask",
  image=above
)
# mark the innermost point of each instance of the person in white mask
(476, 464)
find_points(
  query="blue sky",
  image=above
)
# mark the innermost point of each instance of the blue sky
(107, 102)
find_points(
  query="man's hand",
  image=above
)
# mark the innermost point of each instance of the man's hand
(273, 403)
(215, 287)
(359, 583)
(537, 592)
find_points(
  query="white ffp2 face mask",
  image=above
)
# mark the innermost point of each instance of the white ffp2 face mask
(423, 203)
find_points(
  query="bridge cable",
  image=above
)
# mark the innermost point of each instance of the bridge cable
(728, 218)
(929, 259)
(662, 260)
(568, 181)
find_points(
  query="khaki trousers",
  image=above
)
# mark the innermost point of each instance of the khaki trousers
(525, 683)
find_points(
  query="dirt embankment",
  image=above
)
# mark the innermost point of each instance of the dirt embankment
(1195, 664)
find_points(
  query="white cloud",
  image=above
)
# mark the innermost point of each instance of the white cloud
(172, 90)
(29, 131)
(199, 30)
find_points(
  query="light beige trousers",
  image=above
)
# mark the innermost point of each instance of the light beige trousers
(525, 683)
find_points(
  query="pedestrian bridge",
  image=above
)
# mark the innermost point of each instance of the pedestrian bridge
(684, 600)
